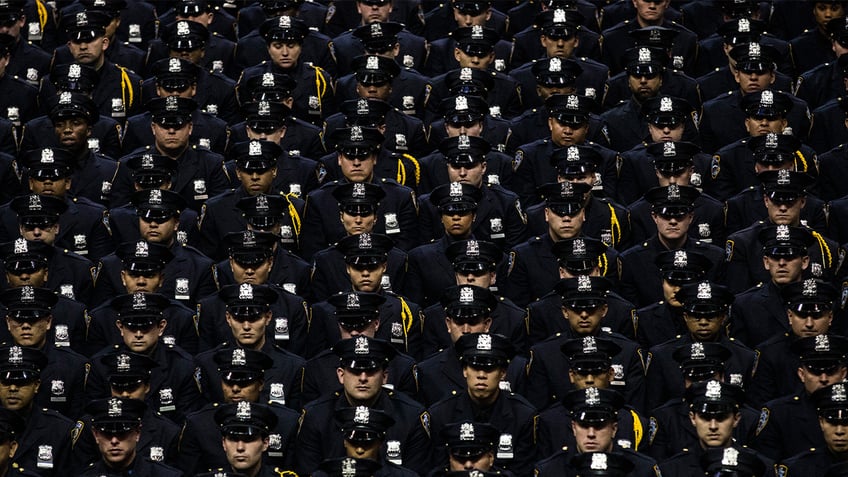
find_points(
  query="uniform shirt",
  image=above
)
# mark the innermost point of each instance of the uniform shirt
(711, 54)
(45, 445)
(181, 329)
(545, 317)
(314, 95)
(141, 467)
(71, 276)
(28, 62)
(527, 44)
(105, 136)
(777, 370)
(811, 49)
(219, 56)
(215, 95)
(658, 323)
(410, 93)
(507, 319)
(688, 462)
(821, 84)
(504, 98)
(828, 133)
(434, 169)
(617, 39)
(413, 50)
(748, 207)
(674, 83)
(157, 443)
(440, 21)
(120, 53)
(63, 381)
(720, 82)
(759, 315)
(441, 58)
(68, 328)
(707, 226)
(329, 276)
(429, 272)
(404, 133)
(299, 139)
(207, 131)
(638, 174)
(814, 461)
(289, 272)
(18, 100)
(554, 433)
(787, 426)
(497, 131)
(123, 222)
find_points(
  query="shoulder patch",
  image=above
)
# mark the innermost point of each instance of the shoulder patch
(425, 422)
(517, 159)
(728, 250)
(510, 262)
(76, 431)
(764, 417)
(652, 430)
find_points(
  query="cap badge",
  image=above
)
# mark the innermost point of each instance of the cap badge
(705, 291)
(809, 287)
(744, 26)
(466, 295)
(139, 302)
(822, 343)
(461, 103)
(455, 189)
(361, 415)
(262, 203)
(243, 411)
(566, 188)
(590, 345)
(27, 294)
(593, 397)
(696, 351)
(465, 74)
(782, 234)
(268, 79)
(21, 246)
(754, 50)
(183, 28)
(476, 32)
(669, 149)
(16, 355)
(464, 143)
(254, 148)
(730, 457)
(141, 249)
(484, 342)
(114, 408)
(82, 19)
(655, 35)
(472, 248)
(681, 259)
(713, 390)
(352, 301)
(147, 161)
(123, 362)
(47, 156)
(376, 30)
(171, 104)
(74, 72)
(372, 63)
(365, 241)
(65, 97)
(666, 105)
(245, 292)
(174, 66)
(239, 358)
(783, 177)
(673, 192)
(771, 141)
(578, 247)
(584, 284)
(767, 99)
(361, 346)
(155, 197)
(572, 154)
(362, 108)
(348, 467)
(599, 461)
(559, 16)
(285, 22)
(34, 202)
(838, 393)
(356, 134)
(572, 102)
(263, 108)
(555, 66)
(644, 55)
(466, 431)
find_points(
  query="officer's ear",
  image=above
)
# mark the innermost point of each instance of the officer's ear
(489, 14)
(13, 447)
(340, 374)
(106, 42)
(456, 54)
(396, 50)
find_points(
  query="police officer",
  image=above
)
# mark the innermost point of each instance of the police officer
(27, 263)
(772, 152)
(470, 446)
(280, 215)
(11, 428)
(831, 409)
(362, 371)
(705, 312)
(176, 77)
(189, 276)
(248, 314)
(19, 102)
(821, 84)
(444, 18)
(243, 372)
(584, 306)
(192, 39)
(404, 133)
(594, 426)
(129, 378)
(809, 307)
(476, 262)
(364, 434)
(200, 172)
(374, 30)
(314, 93)
(442, 56)
(814, 47)
(357, 314)
(822, 362)
(45, 444)
(27, 61)
(739, 461)
(672, 209)
(358, 149)
(245, 433)
(714, 413)
(358, 205)
(590, 367)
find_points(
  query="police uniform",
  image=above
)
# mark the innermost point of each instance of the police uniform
(289, 272)
(440, 21)
(19, 100)
(28, 61)
(711, 48)
(468, 108)
(690, 461)
(720, 82)
(503, 91)
(223, 23)
(821, 84)
(208, 131)
(181, 330)
(620, 37)
(441, 55)
(251, 17)
(187, 35)
(407, 443)
(404, 133)
(830, 405)
(554, 23)
(620, 462)
(828, 133)
(747, 207)
(318, 48)
(357, 41)
(215, 94)
(410, 91)
(812, 48)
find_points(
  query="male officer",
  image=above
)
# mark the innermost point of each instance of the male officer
(594, 414)
(11, 428)
(279, 215)
(355, 314)
(189, 276)
(584, 306)
(470, 446)
(200, 172)
(362, 372)
(714, 413)
(485, 358)
(242, 376)
(27, 61)
(672, 209)
(248, 315)
(788, 425)
(19, 101)
(314, 93)
(358, 205)
(116, 425)
(831, 408)
(245, 435)
(190, 38)
(809, 308)
(358, 148)
(45, 444)
(822, 83)
(705, 312)
(379, 34)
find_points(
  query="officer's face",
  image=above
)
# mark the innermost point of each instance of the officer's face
(566, 226)
(37, 234)
(666, 133)
(815, 380)
(244, 457)
(171, 139)
(753, 81)
(585, 321)
(148, 282)
(781, 213)
(138, 392)
(591, 379)
(673, 228)
(669, 293)
(256, 274)
(644, 87)
(563, 134)
(118, 450)
(784, 270)
(141, 339)
(32, 334)
(470, 175)
(704, 328)
(714, 430)
(374, 13)
(483, 462)
(594, 439)
(362, 386)
(683, 177)
(483, 279)
(650, 12)
(357, 169)
(56, 187)
(474, 128)
(368, 329)
(18, 396)
(366, 278)
(236, 392)
(14, 29)
(458, 224)
(184, 93)
(835, 433)
(461, 327)
(274, 136)
(256, 182)
(363, 449)
(358, 224)
(761, 126)
(73, 133)
(483, 381)
(465, 20)
(36, 278)
(89, 53)
(153, 231)
(826, 11)
(380, 91)
(473, 61)
(810, 324)
(285, 55)
(193, 56)
(559, 47)
(546, 92)
(249, 334)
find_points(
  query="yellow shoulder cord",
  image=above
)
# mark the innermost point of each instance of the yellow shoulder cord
(825, 250)
(417, 165)
(603, 264)
(803, 160)
(615, 226)
(320, 85)
(637, 430)
(294, 215)
(126, 89)
(401, 172)
(42, 14)
(405, 315)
